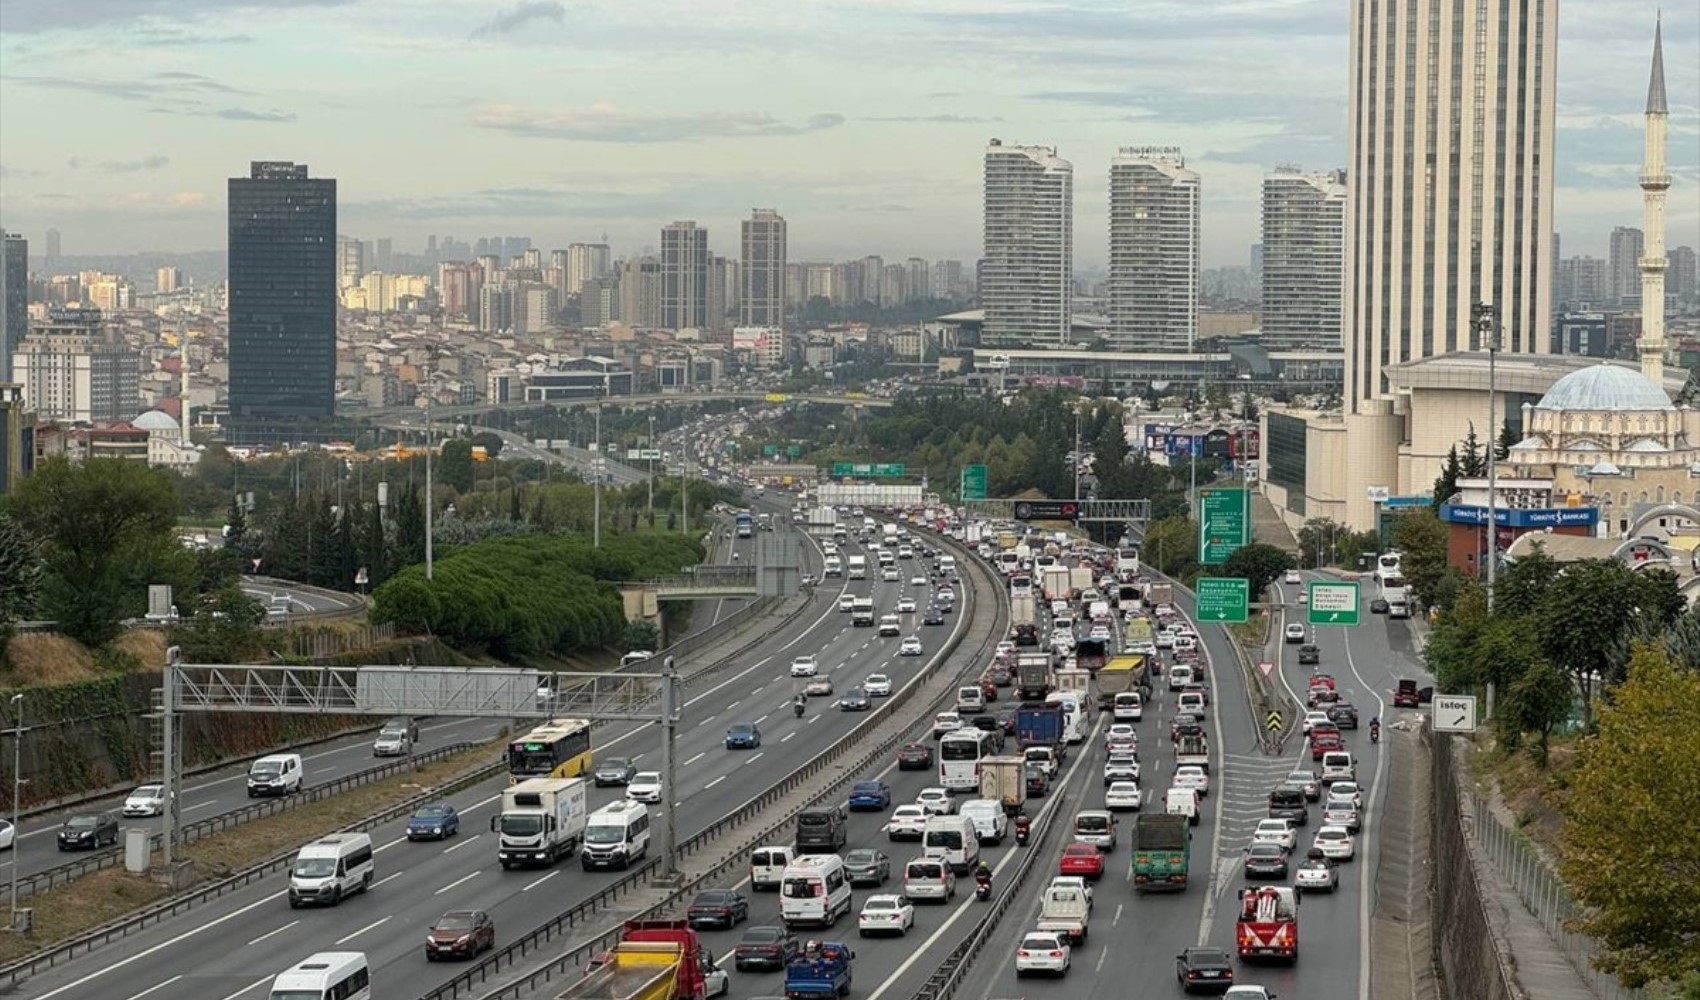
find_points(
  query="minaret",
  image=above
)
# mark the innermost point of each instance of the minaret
(1655, 182)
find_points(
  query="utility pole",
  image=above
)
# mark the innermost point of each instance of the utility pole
(669, 769)
(17, 798)
(596, 471)
(650, 445)
(1487, 327)
(429, 428)
(1077, 454)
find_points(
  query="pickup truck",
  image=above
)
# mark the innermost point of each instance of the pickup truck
(1193, 751)
(822, 972)
(1065, 910)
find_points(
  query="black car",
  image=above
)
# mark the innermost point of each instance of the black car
(855, 700)
(933, 617)
(614, 771)
(764, 948)
(88, 831)
(1378, 606)
(1288, 802)
(1038, 783)
(1204, 970)
(1309, 653)
(866, 866)
(1344, 715)
(915, 757)
(718, 908)
(1266, 860)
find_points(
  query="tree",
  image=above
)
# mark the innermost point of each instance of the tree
(1628, 839)
(490, 441)
(1446, 484)
(454, 465)
(410, 528)
(1172, 546)
(1318, 538)
(1585, 621)
(225, 628)
(1537, 700)
(1682, 642)
(1502, 444)
(235, 522)
(20, 576)
(1472, 462)
(1260, 564)
(641, 635)
(1421, 538)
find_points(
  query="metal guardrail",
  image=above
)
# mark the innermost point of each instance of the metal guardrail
(47, 878)
(572, 961)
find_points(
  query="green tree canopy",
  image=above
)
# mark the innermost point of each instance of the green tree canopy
(1421, 538)
(1260, 564)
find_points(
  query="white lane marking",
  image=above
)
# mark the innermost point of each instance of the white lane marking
(716, 781)
(258, 982)
(763, 718)
(389, 877)
(693, 760)
(787, 736)
(540, 881)
(459, 881)
(1118, 917)
(376, 923)
(812, 720)
(451, 850)
(151, 989)
(280, 930)
(757, 691)
(734, 705)
(753, 759)
(1375, 796)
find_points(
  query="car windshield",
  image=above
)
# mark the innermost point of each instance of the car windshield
(454, 922)
(1092, 824)
(604, 833)
(522, 826)
(266, 768)
(717, 898)
(861, 857)
(647, 778)
(432, 812)
(868, 786)
(1265, 850)
(81, 822)
(146, 792)
(742, 730)
(881, 903)
(762, 935)
(315, 867)
(615, 764)
(925, 869)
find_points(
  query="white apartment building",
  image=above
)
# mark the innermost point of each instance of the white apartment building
(1154, 237)
(1304, 259)
(1026, 274)
(73, 369)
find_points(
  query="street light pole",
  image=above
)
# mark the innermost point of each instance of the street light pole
(650, 445)
(596, 470)
(17, 799)
(428, 500)
(1487, 325)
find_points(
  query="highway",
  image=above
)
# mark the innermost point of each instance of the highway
(1135, 939)
(254, 934)
(304, 602)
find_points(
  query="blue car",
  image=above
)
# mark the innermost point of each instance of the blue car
(743, 736)
(870, 795)
(436, 821)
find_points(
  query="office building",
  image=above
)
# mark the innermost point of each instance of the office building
(167, 279)
(14, 297)
(723, 292)
(1027, 270)
(17, 437)
(1154, 264)
(640, 293)
(587, 262)
(761, 299)
(350, 261)
(1681, 283)
(1624, 257)
(684, 276)
(1581, 284)
(1302, 259)
(53, 249)
(535, 307)
(461, 285)
(73, 368)
(283, 293)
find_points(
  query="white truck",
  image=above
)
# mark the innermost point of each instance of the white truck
(541, 822)
(833, 566)
(1004, 779)
(1065, 909)
(858, 567)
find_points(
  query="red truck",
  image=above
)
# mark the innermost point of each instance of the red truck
(655, 960)
(1268, 924)
(1406, 696)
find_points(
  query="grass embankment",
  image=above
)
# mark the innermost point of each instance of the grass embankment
(1252, 635)
(45, 658)
(108, 895)
(1534, 796)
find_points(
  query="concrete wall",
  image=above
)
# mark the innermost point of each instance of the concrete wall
(1469, 946)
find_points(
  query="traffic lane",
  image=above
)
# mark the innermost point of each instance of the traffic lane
(448, 870)
(226, 789)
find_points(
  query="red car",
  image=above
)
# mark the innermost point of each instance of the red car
(1323, 742)
(1082, 859)
(914, 757)
(1406, 696)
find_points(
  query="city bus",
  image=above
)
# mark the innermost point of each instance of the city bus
(745, 523)
(559, 748)
(1127, 561)
(960, 754)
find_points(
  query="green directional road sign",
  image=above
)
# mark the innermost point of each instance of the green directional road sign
(1223, 599)
(1224, 523)
(840, 469)
(795, 451)
(1333, 604)
(973, 482)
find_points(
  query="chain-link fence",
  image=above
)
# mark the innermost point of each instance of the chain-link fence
(1544, 896)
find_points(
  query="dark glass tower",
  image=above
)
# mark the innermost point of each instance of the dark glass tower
(282, 296)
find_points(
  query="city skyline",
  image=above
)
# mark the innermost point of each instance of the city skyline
(882, 157)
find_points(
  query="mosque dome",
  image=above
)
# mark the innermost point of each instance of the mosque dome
(1605, 387)
(155, 420)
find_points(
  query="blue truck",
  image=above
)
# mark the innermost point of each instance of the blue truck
(1040, 726)
(823, 971)
(745, 523)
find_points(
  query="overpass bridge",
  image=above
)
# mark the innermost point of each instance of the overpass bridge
(385, 416)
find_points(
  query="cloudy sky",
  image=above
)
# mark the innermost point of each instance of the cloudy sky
(862, 121)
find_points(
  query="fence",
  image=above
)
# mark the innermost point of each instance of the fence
(1544, 896)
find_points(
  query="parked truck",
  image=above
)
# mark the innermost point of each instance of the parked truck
(1039, 726)
(654, 960)
(824, 971)
(1065, 910)
(1162, 850)
(1090, 654)
(1121, 674)
(1034, 678)
(1193, 751)
(1268, 923)
(1004, 780)
(541, 822)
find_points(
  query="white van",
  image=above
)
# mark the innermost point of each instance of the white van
(330, 868)
(987, 815)
(1128, 706)
(970, 699)
(1180, 675)
(328, 975)
(954, 839)
(1337, 766)
(1190, 701)
(1182, 802)
(767, 866)
(814, 890)
(947, 565)
(615, 835)
(275, 774)
(929, 878)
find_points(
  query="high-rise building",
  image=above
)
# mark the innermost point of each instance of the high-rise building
(1302, 259)
(587, 262)
(722, 292)
(283, 293)
(1624, 258)
(1026, 273)
(1154, 237)
(17, 437)
(350, 261)
(531, 259)
(761, 300)
(534, 308)
(167, 279)
(918, 278)
(599, 302)
(461, 284)
(74, 369)
(684, 276)
(14, 297)
(53, 248)
(1451, 113)
(1581, 283)
(1681, 284)
(947, 280)
(384, 255)
(640, 292)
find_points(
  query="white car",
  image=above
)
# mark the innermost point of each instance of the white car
(877, 686)
(1335, 842)
(1295, 632)
(1316, 875)
(1347, 789)
(1164, 640)
(917, 580)
(1100, 633)
(1193, 777)
(946, 722)
(885, 914)
(847, 602)
(1276, 831)
(804, 666)
(148, 800)
(1292, 576)
(908, 822)
(936, 801)
(910, 647)
(645, 786)
(1312, 717)
(1120, 768)
(1042, 951)
(1122, 737)
(8, 834)
(906, 605)
(1005, 647)
(1342, 812)
(1123, 796)
(1248, 993)
(889, 575)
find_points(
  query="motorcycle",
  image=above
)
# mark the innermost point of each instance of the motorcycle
(983, 888)
(1375, 734)
(797, 709)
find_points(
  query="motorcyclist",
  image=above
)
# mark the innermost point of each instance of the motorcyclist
(1023, 824)
(1375, 729)
(983, 874)
(799, 705)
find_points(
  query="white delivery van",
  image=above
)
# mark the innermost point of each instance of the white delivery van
(275, 774)
(1182, 802)
(947, 565)
(328, 975)
(814, 890)
(970, 699)
(987, 815)
(615, 835)
(330, 868)
(1190, 701)
(767, 866)
(929, 878)
(1128, 707)
(953, 839)
(1180, 675)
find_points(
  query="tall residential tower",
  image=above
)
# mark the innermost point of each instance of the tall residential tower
(1026, 274)
(1154, 264)
(684, 276)
(762, 295)
(1303, 259)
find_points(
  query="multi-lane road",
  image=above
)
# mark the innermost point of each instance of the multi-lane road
(230, 948)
